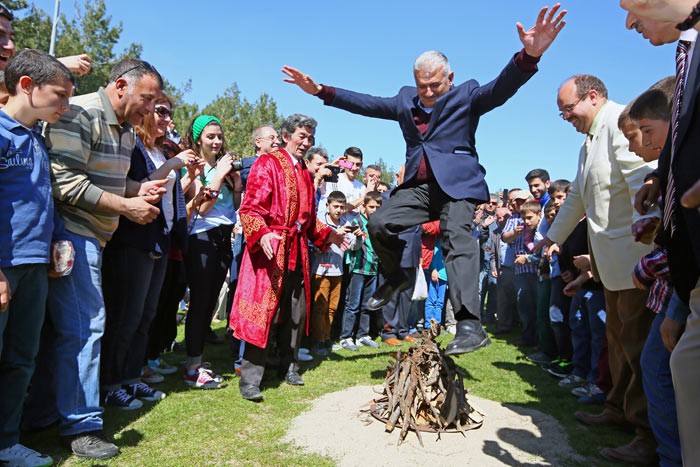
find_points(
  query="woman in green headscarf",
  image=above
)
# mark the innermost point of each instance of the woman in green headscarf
(216, 194)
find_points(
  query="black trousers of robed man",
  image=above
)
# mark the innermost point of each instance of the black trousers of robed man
(416, 203)
(290, 320)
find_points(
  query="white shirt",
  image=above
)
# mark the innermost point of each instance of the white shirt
(158, 159)
(353, 190)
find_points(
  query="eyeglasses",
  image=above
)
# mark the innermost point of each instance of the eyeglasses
(164, 112)
(570, 108)
(270, 137)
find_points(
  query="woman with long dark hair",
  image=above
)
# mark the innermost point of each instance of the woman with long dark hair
(217, 192)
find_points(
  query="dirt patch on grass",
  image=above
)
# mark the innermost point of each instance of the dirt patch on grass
(335, 427)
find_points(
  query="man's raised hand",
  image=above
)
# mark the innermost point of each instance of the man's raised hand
(538, 38)
(304, 81)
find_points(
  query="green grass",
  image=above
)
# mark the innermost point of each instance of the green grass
(217, 427)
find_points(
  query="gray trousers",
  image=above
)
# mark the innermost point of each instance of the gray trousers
(289, 322)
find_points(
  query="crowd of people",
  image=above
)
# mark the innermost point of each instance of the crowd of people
(111, 215)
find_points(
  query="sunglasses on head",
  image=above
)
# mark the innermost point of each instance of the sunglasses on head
(163, 111)
(6, 12)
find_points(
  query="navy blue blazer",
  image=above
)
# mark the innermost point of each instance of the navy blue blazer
(152, 237)
(449, 142)
(247, 163)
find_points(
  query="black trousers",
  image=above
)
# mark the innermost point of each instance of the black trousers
(290, 320)
(207, 261)
(415, 204)
(163, 329)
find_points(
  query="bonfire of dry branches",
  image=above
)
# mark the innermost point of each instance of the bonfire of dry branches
(424, 391)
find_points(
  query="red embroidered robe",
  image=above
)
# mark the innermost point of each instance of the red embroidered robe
(278, 199)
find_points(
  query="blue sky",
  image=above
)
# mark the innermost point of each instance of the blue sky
(370, 46)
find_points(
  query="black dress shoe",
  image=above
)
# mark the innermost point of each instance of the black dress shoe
(294, 379)
(470, 337)
(382, 295)
(250, 392)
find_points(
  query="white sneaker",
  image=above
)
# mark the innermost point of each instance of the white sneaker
(367, 342)
(149, 376)
(348, 344)
(572, 381)
(159, 366)
(21, 456)
(203, 378)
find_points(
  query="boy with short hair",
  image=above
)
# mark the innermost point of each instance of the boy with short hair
(559, 303)
(558, 191)
(364, 267)
(39, 88)
(326, 282)
(526, 266)
(651, 111)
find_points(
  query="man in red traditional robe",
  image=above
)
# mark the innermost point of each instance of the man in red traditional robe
(278, 215)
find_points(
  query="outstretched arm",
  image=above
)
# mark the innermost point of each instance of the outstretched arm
(304, 81)
(538, 38)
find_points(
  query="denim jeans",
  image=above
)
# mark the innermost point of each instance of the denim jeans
(356, 314)
(526, 285)
(20, 327)
(587, 322)
(77, 314)
(132, 282)
(436, 299)
(658, 387)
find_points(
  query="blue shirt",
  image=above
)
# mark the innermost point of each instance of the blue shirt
(26, 202)
(521, 245)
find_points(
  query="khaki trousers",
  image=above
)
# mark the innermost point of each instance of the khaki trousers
(326, 295)
(627, 327)
(685, 370)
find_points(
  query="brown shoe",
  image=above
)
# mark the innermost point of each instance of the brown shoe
(637, 452)
(392, 341)
(409, 339)
(602, 419)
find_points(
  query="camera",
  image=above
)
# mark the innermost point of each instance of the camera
(236, 166)
(333, 177)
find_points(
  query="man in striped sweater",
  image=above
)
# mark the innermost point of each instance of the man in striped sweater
(90, 151)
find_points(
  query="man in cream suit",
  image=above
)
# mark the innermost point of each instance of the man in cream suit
(608, 178)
